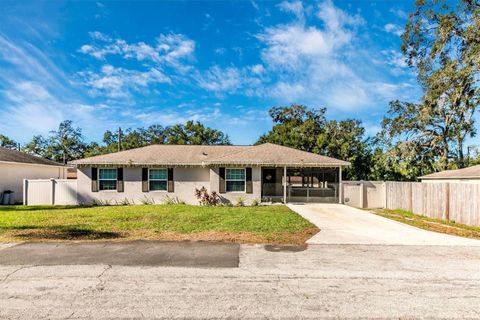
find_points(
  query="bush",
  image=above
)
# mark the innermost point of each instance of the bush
(255, 202)
(172, 200)
(146, 200)
(240, 202)
(205, 198)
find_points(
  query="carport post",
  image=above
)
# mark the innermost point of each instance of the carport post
(285, 184)
(340, 191)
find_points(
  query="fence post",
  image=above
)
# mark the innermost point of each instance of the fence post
(25, 193)
(52, 190)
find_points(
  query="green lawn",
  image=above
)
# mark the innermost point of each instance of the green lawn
(260, 224)
(426, 223)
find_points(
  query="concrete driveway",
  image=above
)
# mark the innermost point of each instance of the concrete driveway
(341, 224)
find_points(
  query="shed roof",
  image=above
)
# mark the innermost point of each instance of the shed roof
(9, 155)
(465, 173)
(200, 155)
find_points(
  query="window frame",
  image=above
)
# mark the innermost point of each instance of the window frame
(100, 180)
(244, 180)
(166, 180)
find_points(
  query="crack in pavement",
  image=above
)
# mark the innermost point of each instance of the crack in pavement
(15, 271)
(101, 283)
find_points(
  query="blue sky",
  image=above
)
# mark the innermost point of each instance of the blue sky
(110, 64)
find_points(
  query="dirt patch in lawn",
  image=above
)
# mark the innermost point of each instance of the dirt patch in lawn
(298, 238)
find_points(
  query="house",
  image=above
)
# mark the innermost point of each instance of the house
(16, 166)
(265, 172)
(465, 175)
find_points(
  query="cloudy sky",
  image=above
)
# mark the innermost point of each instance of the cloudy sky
(110, 64)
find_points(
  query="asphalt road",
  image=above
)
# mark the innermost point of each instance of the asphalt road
(321, 281)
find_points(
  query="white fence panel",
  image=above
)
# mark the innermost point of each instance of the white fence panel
(50, 192)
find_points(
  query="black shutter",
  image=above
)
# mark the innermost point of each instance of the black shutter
(221, 185)
(120, 187)
(249, 184)
(145, 180)
(170, 186)
(94, 179)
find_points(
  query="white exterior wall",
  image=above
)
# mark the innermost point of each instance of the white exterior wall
(232, 197)
(12, 175)
(186, 180)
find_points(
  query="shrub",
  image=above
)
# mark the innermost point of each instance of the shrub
(126, 202)
(147, 201)
(172, 200)
(255, 202)
(240, 202)
(205, 198)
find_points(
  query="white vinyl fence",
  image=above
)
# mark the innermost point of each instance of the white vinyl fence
(364, 194)
(50, 192)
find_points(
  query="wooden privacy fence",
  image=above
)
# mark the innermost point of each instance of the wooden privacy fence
(50, 192)
(457, 202)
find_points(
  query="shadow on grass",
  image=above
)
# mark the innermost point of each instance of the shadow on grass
(21, 208)
(63, 233)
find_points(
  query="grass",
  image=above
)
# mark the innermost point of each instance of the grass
(442, 226)
(261, 224)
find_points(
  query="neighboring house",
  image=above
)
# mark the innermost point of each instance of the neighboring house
(465, 175)
(16, 166)
(247, 172)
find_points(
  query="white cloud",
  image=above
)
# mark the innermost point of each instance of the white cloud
(394, 29)
(312, 65)
(399, 13)
(295, 7)
(30, 109)
(168, 48)
(257, 69)
(220, 80)
(119, 82)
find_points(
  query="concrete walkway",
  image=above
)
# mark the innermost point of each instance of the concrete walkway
(340, 224)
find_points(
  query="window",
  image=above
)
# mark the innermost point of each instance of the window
(235, 180)
(157, 179)
(107, 179)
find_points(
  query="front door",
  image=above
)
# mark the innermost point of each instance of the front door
(268, 182)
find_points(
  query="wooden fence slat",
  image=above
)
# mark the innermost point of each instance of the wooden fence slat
(447, 201)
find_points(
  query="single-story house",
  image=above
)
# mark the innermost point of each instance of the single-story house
(16, 166)
(266, 172)
(465, 175)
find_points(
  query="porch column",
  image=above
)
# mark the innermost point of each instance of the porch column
(284, 184)
(340, 186)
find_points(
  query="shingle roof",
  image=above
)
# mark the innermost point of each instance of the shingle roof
(465, 173)
(9, 155)
(195, 155)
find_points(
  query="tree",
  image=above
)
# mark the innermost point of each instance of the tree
(442, 43)
(6, 142)
(296, 127)
(307, 129)
(345, 140)
(195, 133)
(62, 145)
(189, 133)
(38, 146)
